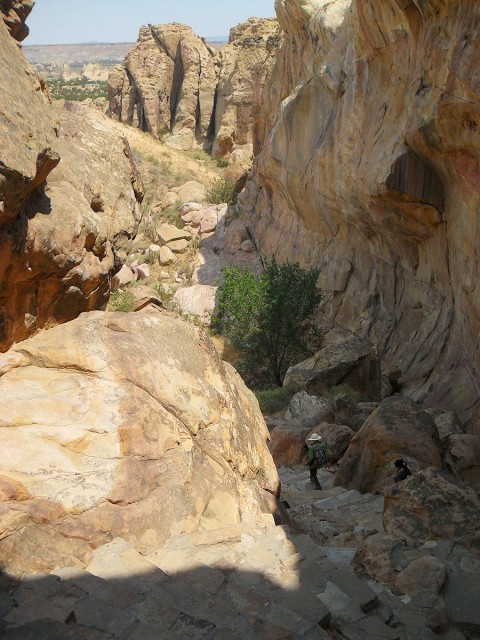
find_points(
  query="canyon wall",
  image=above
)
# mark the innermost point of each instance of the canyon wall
(175, 85)
(69, 203)
(370, 170)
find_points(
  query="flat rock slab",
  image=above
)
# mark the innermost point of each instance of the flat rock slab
(340, 555)
(463, 599)
(52, 630)
(168, 233)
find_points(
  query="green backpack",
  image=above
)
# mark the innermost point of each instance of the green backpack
(321, 454)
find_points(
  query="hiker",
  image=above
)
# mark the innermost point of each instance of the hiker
(317, 456)
(402, 470)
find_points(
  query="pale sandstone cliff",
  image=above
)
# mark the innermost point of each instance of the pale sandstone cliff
(62, 233)
(168, 85)
(371, 171)
(174, 83)
(247, 60)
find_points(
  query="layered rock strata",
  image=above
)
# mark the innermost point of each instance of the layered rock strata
(63, 233)
(371, 172)
(175, 85)
(123, 425)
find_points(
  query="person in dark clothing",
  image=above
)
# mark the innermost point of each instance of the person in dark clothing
(311, 442)
(402, 471)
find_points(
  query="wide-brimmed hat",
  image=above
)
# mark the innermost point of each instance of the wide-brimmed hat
(314, 437)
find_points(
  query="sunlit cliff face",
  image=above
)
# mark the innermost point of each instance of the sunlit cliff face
(369, 169)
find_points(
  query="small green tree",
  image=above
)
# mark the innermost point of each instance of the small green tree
(269, 317)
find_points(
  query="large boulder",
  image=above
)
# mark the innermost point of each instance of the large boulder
(123, 425)
(308, 410)
(337, 437)
(354, 362)
(287, 441)
(398, 428)
(431, 505)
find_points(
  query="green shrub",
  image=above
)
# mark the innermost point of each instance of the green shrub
(221, 190)
(122, 300)
(268, 318)
(273, 400)
(221, 162)
(149, 230)
(343, 390)
(172, 216)
(165, 293)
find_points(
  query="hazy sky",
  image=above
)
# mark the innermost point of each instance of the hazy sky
(72, 21)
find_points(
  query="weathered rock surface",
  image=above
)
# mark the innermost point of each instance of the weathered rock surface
(370, 171)
(69, 237)
(463, 458)
(63, 233)
(354, 362)
(309, 410)
(398, 428)
(198, 301)
(175, 85)
(247, 62)
(123, 425)
(430, 505)
(14, 15)
(168, 86)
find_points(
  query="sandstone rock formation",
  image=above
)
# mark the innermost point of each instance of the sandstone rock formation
(62, 234)
(123, 425)
(247, 62)
(15, 12)
(397, 429)
(175, 85)
(168, 86)
(371, 171)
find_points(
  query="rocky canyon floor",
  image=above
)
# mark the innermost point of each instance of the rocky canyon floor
(250, 581)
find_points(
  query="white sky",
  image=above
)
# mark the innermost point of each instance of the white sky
(74, 21)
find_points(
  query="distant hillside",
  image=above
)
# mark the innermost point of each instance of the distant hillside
(106, 54)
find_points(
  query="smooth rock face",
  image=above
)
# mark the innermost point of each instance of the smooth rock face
(123, 425)
(371, 171)
(429, 506)
(397, 429)
(247, 62)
